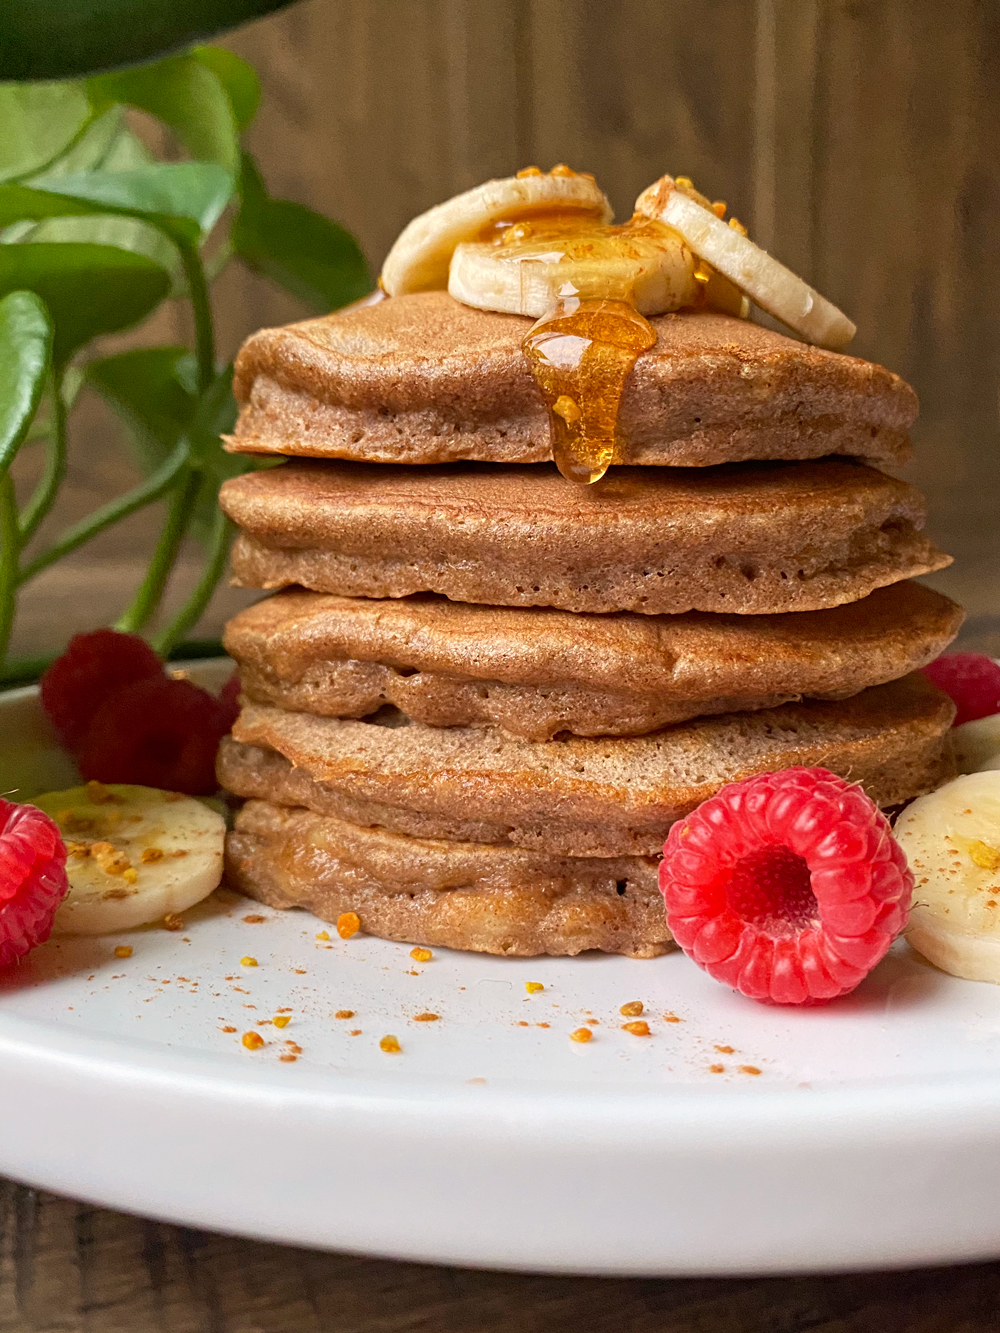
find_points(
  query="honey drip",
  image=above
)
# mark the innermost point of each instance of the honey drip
(580, 354)
(582, 350)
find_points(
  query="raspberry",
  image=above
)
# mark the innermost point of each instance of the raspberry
(787, 886)
(972, 680)
(93, 667)
(156, 733)
(229, 700)
(32, 878)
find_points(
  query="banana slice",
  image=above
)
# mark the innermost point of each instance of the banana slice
(773, 287)
(952, 843)
(136, 855)
(977, 744)
(419, 259)
(531, 268)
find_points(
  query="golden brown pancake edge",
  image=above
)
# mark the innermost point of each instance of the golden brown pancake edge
(536, 672)
(423, 379)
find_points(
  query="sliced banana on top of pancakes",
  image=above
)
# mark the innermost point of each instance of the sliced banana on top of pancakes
(421, 255)
(768, 284)
(533, 266)
(520, 244)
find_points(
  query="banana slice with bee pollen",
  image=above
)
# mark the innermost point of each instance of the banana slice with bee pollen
(421, 254)
(952, 843)
(135, 855)
(768, 283)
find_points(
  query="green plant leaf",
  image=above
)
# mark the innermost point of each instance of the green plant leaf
(25, 353)
(88, 289)
(90, 150)
(121, 152)
(61, 39)
(40, 121)
(123, 232)
(125, 152)
(237, 77)
(183, 199)
(215, 416)
(155, 392)
(313, 258)
(186, 95)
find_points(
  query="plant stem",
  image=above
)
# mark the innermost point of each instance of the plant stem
(23, 670)
(153, 488)
(10, 550)
(204, 332)
(150, 591)
(44, 497)
(190, 612)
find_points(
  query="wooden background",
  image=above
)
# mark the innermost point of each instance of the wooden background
(859, 140)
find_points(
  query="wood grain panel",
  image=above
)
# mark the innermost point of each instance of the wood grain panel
(887, 204)
(908, 128)
(375, 110)
(380, 108)
(629, 89)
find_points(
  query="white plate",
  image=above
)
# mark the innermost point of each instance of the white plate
(870, 1136)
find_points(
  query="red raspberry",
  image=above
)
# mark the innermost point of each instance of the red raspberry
(971, 679)
(92, 667)
(229, 700)
(156, 733)
(32, 878)
(787, 886)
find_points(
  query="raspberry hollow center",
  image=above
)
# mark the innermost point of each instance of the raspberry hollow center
(772, 890)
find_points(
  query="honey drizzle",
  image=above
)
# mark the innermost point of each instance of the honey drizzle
(580, 354)
(549, 218)
(582, 350)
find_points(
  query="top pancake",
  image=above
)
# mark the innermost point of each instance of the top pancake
(425, 379)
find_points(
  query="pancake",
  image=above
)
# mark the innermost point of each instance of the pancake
(459, 895)
(425, 379)
(744, 538)
(577, 796)
(537, 672)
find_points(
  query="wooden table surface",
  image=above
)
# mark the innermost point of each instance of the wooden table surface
(66, 1266)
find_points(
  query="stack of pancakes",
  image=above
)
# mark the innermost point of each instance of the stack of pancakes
(488, 691)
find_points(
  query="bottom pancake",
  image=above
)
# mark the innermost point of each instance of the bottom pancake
(458, 895)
